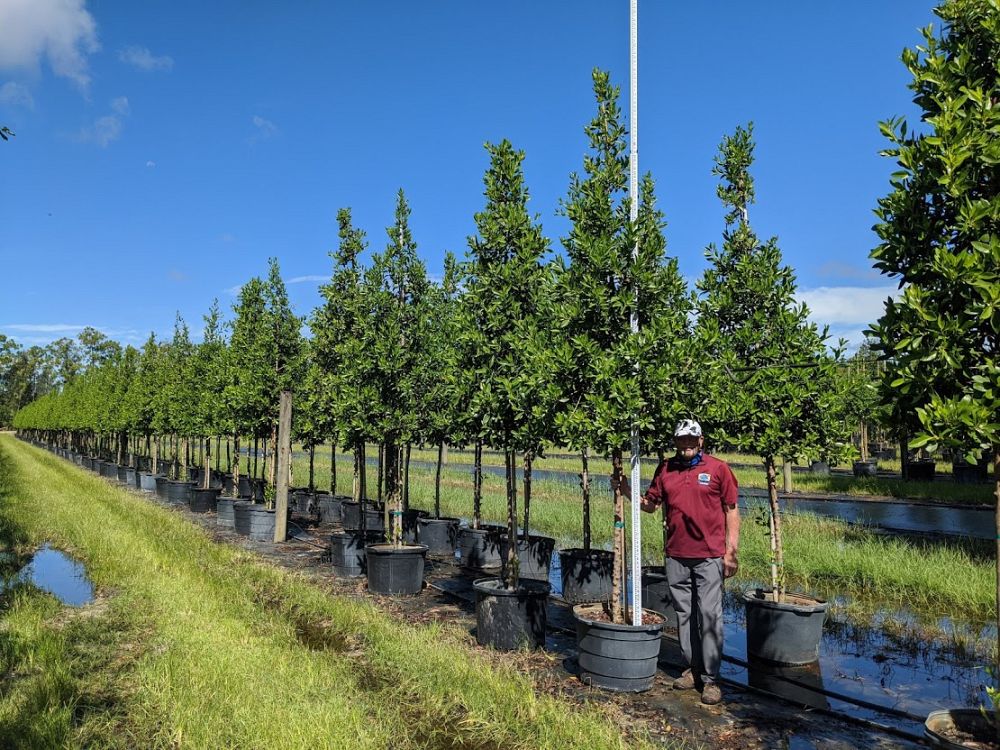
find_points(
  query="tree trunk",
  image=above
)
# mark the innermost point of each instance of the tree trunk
(356, 485)
(333, 467)
(617, 584)
(511, 565)
(207, 465)
(864, 440)
(364, 469)
(477, 485)
(528, 460)
(381, 469)
(312, 468)
(256, 443)
(273, 476)
(437, 481)
(218, 451)
(777, 558)
(406, 479)
(904, 455)
(156, 454)
(786, 476)
(236, 464)
(585, 489)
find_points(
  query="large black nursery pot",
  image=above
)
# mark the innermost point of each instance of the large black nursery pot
(329, 507)
(121, 474)
(241, 516)
(347, 551)
(351, 512)
(262, 522)
(802, 684)
(251, 488)
(867, 468)
(621, 658)
(951, 730)
(131, 477)
(411, 521)
(395, 570)
(301, 501)
(966, 473)
(147, 481)
(534, 554)
(109, 470)
(510, 619)
(439, 534)
(586, 575)
(656, 595)
(921, 470)
(224, 515)
(87, 462)
(479, 548)
(820, 468)
(161, 486)
(204, 501)
(785, 632)
(179, 493)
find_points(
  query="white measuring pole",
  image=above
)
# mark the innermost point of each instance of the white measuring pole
(634, 195)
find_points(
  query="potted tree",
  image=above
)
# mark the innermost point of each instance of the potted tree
(508, 299)
(938, 237)
(342, 374)
(781, 399)
(208, 380)
(614, 264)
(394, 337)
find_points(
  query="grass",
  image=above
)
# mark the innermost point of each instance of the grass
(200, 645)
(933, 578)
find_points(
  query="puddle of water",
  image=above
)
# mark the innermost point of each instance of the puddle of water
(58, 574)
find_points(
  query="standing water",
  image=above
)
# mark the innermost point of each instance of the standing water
(58, 574)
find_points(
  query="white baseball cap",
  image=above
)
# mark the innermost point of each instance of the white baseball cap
(687, 427)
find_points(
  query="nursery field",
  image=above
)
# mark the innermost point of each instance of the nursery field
(862, 569)
(192, 644)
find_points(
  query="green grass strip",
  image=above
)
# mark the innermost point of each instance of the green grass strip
(230, 652)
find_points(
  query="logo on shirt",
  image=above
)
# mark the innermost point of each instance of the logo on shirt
(704, 478)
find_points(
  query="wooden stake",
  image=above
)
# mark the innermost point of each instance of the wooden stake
(283, 460)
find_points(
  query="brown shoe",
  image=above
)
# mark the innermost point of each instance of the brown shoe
(685, 681)
(711, 694)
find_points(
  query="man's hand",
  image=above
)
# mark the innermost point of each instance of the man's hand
(730, 563)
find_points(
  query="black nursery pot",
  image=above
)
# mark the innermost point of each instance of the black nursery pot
(329, 507)
(786, 632)
(439, 534)
(534, 554)
(179, 493)
(586, 575)
(510, 619)
(479, 548)
(203, 501)
(621, 658)
(347, 552)
(224, 512)
(656, 595)
(396, 570)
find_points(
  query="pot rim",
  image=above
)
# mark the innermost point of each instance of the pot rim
(620, 627)
(754, 597)
(483, 586)
(386, 548)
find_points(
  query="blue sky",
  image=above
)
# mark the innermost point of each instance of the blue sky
(165, 150)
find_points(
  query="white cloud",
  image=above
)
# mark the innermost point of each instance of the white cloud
(106, 129)
(150, 163)
(142, 59)
(227, 237)
(847, 310)
(302, 279)
(42, 327)
(61, 31)
(265, 128)
(16, 95)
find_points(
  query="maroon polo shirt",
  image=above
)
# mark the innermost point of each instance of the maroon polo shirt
(695, 498)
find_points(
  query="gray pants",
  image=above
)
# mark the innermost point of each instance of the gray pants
(696, 588)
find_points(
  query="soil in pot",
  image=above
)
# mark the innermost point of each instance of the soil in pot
(510, 619)
(586, 575)
(960, 729)
(395, 570)
(785, 632)
(347, 552)
(534, 555)
(439, 534)
(479, 548)
(614, 657)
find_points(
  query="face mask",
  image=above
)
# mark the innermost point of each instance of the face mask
(695, 460)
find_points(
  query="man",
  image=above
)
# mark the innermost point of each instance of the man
(703, 527)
